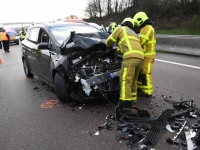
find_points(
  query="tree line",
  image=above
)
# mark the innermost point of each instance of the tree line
(166, 14)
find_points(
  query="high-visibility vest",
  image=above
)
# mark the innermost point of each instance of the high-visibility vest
(3, 36)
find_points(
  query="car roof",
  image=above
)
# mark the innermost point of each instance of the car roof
(58, 24)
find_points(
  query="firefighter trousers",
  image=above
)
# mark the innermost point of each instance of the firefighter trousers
(128, 77)
(145, 82)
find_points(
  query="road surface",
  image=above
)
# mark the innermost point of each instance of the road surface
(33, 119)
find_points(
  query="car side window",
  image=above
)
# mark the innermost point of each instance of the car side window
(27, 34)
(44, 37)
(33, 37)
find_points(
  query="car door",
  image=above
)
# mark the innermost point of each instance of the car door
(44, 56)
(30, 48)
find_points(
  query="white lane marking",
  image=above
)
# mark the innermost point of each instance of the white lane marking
(178, 64)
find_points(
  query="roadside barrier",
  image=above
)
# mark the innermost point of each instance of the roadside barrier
(184, 44)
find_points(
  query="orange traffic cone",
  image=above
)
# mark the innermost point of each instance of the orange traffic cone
(1, 60)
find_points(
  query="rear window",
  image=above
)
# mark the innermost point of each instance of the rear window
(12, 34)
(61, 33)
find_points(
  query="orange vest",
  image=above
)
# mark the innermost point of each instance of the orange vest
(3, 36)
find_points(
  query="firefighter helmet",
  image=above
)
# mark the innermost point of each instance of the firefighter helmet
(140, 18)
(129, 19)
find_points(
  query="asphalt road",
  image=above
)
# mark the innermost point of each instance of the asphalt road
(31, 117)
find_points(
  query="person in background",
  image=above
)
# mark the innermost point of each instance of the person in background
(133, 55)
(112, 25)
(5, 40)
(22, 34)
(148, 43)
(0, 41)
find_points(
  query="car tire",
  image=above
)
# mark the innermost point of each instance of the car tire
(60, 84)
(27, 69)
(17, 43)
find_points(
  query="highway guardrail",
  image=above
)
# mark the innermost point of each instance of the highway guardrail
(184, 44)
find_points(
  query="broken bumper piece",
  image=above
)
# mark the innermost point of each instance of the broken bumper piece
(84, 97)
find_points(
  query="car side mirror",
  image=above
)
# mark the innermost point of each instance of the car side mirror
(42, 45)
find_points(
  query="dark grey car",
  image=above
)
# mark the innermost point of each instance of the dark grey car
(73, 58)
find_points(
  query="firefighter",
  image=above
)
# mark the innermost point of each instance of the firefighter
(5, 40)
(132, 54)
(22, 34)
(112, 25)
(148, 42)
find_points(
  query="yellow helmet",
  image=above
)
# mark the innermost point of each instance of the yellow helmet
(140, 18)
(129, 19)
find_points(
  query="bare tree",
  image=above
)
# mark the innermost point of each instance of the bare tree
(116, 6)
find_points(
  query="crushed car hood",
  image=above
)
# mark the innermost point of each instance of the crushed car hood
(83, 44)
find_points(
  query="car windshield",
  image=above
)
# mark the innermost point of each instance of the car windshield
(12, 34)
(61, 33)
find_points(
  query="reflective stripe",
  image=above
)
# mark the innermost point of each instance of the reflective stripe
(113, 39)
(127, 99)
(149, 31)
(134, 93)
(132, 52)
(151, 42)
(123, 88)
(149, 53)
(128, 37)
(134, 98)
(144, 36)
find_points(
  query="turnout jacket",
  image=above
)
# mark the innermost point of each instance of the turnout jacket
(128, 42)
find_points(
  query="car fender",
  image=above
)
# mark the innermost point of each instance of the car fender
(61, 65)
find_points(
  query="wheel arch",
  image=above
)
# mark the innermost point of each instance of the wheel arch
(54, 71)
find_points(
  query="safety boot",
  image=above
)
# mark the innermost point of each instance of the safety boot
(121, 113)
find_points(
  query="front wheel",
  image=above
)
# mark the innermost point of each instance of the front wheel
(61, 88)
(27, 69)
(17, 42)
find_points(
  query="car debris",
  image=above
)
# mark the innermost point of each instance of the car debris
(36, 88)
(109, 125)
(139, 130)
(180, 114)
(168, 127)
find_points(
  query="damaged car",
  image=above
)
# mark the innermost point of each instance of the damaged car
(73, 58)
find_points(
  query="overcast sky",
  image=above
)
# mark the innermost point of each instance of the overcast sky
(40, 10)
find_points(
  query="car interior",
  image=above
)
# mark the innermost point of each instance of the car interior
(44, 37)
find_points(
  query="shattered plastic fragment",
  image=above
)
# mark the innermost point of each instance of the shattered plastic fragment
(97, 133)
(168, 127)
(111, 117)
